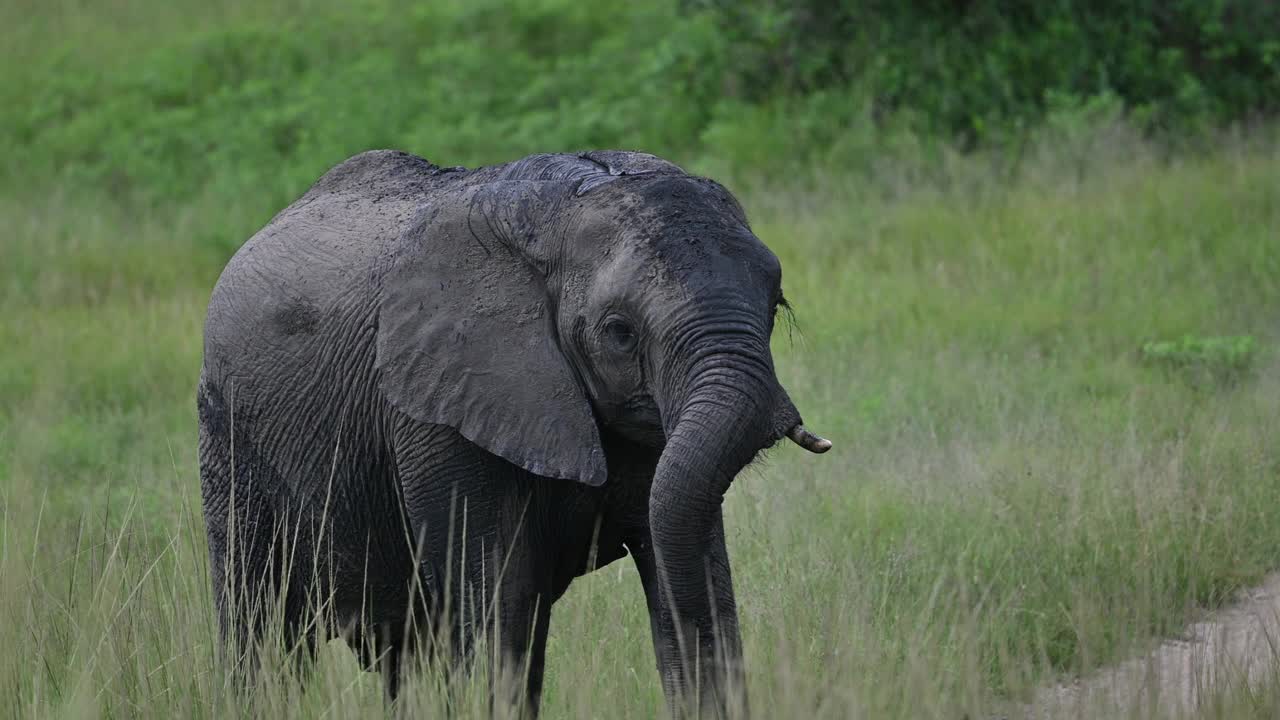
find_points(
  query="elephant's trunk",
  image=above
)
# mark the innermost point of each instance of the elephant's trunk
(732, 406)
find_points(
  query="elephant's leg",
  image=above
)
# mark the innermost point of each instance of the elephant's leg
(246, 563)
(241, 529)
(256, 574)
(519, 655)
(383, 648)
(443, 480)
(263, 586)
(471, 515)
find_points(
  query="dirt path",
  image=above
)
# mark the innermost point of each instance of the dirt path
(1226, 646)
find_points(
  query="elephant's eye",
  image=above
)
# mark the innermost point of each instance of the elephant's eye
(619, 335)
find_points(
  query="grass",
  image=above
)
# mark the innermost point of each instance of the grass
(1257, 700)
(1016, 491)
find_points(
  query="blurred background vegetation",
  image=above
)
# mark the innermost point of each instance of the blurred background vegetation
(229, 97)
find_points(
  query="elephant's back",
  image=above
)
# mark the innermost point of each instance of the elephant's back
(313, 266)
(289, 334)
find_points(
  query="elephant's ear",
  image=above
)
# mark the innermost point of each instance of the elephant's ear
(467, 338)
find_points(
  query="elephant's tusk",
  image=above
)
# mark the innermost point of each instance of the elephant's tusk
(808, 440)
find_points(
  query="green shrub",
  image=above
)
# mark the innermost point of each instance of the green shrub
(257, 104)
(265, 108)
(975, 68)
(1223, 359)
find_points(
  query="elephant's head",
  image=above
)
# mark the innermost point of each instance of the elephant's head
(544, 301)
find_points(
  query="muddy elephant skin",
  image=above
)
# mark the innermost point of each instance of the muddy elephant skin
(431, 397)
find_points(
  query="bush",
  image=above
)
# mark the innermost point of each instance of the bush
(266, 108)
(971, 68)
(258, 106)
(1223, 359)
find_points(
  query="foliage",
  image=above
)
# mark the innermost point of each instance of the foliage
(264, 107)
(1220, 358)
(261, 104)
(975, 68)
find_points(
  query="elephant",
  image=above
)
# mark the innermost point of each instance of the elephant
(432, 396)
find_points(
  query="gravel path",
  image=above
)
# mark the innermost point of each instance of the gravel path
(1225, 647)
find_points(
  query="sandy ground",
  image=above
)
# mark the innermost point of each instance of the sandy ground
(1237, 643)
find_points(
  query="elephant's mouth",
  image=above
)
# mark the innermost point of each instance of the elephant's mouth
(787, 424)
(638, 419)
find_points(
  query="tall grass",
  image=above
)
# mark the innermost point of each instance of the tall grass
(1016, 492)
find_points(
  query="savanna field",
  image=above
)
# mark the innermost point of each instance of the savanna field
(1049, 358)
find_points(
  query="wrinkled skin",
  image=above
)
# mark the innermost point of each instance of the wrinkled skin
(432, 397)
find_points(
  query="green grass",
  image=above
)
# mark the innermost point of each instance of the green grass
(1017, 491)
